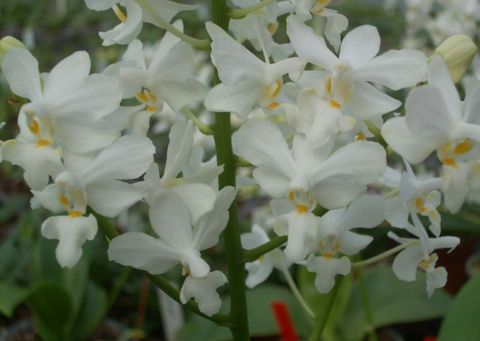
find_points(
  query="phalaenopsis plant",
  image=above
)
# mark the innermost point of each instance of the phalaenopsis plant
(322, 138)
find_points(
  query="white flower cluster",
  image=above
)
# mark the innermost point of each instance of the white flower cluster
(439, 19)
(310, 126)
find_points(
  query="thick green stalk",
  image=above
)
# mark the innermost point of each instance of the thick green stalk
(231, 235)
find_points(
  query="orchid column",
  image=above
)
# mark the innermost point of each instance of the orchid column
(234, 251)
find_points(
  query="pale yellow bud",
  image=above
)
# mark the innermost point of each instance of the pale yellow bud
(458, 52)
(7, 43)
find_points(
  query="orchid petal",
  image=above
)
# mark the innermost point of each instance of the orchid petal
(367, 101)
(326, 270)
(20, 68)
(210, 225)
(144, 252)
(439, 77)
(436, 279)
(39, 162)
(272, 181)
(203, 290)
(126, 158)
(67, 75)
(97, 97)
(395, 69)
(261, 143)
(406, 262)
(71, 234)
(238, 98)
(360, 45)
(199, 198)
(232, 60)
(308, 45)
(426, 111)
(84, 136)
(179, 149)
(170, 219)
(414, 148)
(127, 31)
(301, 230)
(111, 197)
(167, 10)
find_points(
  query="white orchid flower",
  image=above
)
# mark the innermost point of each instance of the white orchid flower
(259, 27)
(305, 175)
(193, 188)
(318, 120)
(204, 291)
(136, 13)
(409, 193)
(179, 242)
(457, 181)
(246, 80)
(65, 112)
(336, 23)
(407, 261)
(436, 120)
(260, 270)
(348, 76)
(168, 77)
(97, 186)
(334, 238)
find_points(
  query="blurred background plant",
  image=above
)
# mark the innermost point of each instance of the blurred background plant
(98, 299)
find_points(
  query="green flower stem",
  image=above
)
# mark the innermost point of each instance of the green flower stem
(372, 336)
(239, 13)
(161, 282)
(204, 128)
(385, 254)
(201, 44)
(120, 282)
(231, 235)
(297, 294)
(321, 322)
(253, 254)
(376, 132)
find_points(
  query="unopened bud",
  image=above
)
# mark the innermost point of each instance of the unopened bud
(8, 43)
(457, 51)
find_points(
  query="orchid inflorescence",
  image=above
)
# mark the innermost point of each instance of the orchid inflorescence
(311, 134)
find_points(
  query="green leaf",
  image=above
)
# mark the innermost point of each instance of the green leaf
(8, 254)
(52, 308)
(391, 301)
(456, 224)
(75, 282)
(461, 322)
(260, 317)
(318, 302)
(11, 296)
(45, 266)
(92, 312)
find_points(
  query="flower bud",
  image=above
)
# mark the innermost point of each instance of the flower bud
(457, 51)
(7, 43)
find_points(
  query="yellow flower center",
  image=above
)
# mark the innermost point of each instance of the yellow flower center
(74, 214)
(149, 99)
